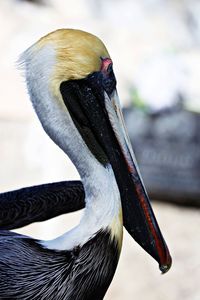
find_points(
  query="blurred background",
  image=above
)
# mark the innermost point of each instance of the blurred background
(155, 46)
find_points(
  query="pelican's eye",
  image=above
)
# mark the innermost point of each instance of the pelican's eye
(102, 80)
(106, 66)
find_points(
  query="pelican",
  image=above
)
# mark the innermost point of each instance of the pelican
(72, 86)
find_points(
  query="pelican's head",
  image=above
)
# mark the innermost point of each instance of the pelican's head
(73, 89)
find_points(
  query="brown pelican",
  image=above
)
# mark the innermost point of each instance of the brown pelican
(72, 87)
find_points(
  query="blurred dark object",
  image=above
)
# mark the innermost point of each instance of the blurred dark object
(167, 148)
(41, 2)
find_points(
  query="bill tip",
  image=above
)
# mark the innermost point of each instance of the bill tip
(164, 268)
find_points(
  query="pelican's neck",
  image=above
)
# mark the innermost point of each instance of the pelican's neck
(103, 203)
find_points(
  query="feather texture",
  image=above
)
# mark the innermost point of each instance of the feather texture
(39, 203)
(81, 273)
